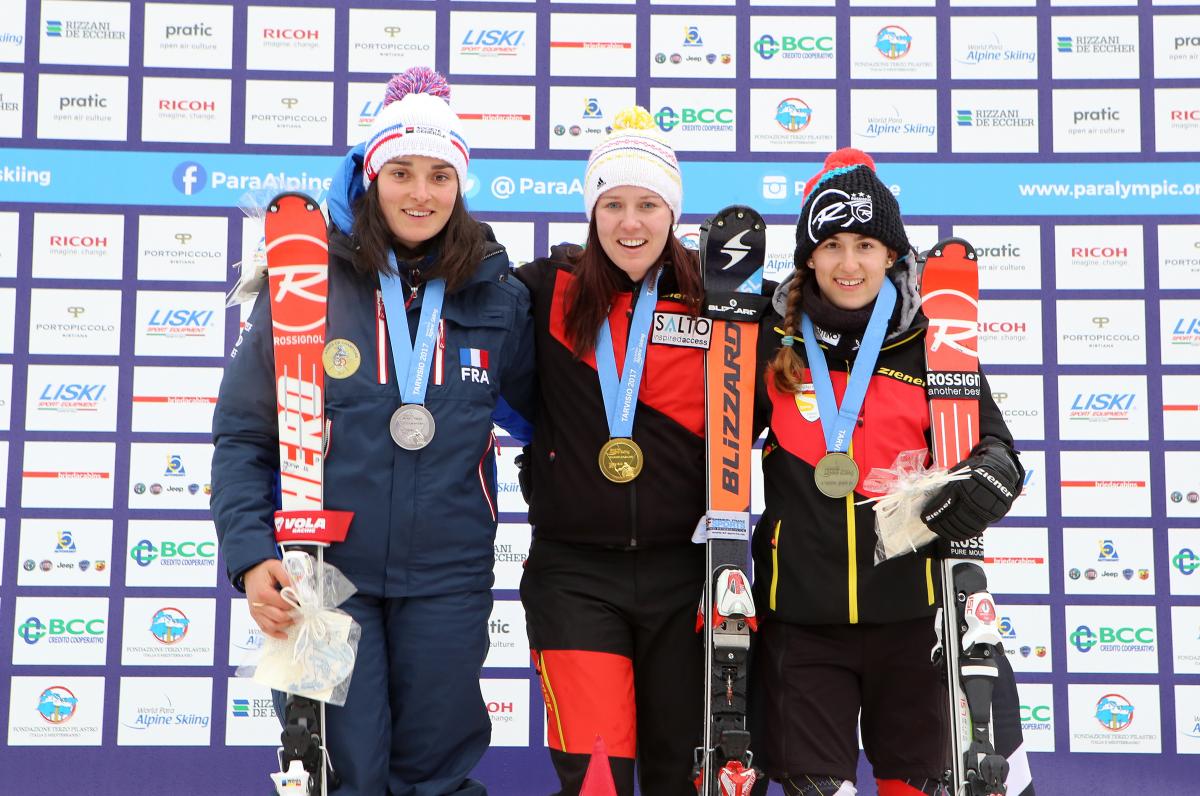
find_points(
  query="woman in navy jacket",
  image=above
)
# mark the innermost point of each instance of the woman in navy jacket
(419, 549)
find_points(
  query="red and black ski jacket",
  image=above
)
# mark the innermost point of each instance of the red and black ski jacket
(814, 556)
(571, 500)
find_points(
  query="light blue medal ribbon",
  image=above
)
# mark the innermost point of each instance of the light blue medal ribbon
(620, 458)
(412, 424)
(837, 422)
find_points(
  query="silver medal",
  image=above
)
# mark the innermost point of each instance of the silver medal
(411, 427)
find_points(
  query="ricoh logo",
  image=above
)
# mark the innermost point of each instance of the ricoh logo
(1100, 252)
(290, 34)
(186, 105)
(1003, 327)
(78, 242)
(1188, 115)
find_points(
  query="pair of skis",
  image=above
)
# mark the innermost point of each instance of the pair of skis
(732, 249)
(297, 271)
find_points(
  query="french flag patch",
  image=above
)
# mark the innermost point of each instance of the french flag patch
(473, 358)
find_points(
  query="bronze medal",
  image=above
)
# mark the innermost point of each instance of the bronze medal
(411, 427)
(620, 460)
(836, 475)
(341, 358)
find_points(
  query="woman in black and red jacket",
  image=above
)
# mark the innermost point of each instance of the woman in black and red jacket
(612, 582)
(841, 636)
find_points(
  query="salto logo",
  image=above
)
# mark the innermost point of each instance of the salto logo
(189, 178)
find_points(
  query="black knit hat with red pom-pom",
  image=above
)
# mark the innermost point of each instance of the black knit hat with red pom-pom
(846, 196)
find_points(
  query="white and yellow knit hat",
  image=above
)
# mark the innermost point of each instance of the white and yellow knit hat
(634, 154)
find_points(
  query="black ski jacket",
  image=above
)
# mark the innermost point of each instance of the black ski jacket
(814, 555)
(571, 500)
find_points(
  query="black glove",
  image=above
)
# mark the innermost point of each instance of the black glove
(524, 476)
(961, 510)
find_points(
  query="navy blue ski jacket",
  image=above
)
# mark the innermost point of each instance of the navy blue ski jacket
(424, 521)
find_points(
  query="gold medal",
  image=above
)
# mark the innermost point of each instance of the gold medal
(341, 358)
(836, 475)
(620, 460)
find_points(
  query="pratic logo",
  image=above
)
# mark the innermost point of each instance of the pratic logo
(793, 114)
(688, 119)
(794, 47)
(1186, 561)
(82, 102)
(1114, 712)
(1105, 114)
(189, 178)
(1112, 639)
(1186, 43)
(57, 630)
(186, 553)
(57, 704)
(196, 30)
(169, 625)
(893, 42)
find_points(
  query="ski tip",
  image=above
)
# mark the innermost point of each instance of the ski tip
(732, 247)
(292, 198)
(952, 247)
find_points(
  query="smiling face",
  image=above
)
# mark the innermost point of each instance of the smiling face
(416, 196)
(850, 269)
(632, 224)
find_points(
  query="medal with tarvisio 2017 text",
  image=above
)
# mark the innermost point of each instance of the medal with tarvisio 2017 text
(836, 475)
(412, 427)
(620, 460)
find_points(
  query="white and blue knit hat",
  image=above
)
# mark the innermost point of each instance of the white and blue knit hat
(416, 120)
(633, 154)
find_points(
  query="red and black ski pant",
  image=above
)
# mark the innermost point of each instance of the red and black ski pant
(613, 637)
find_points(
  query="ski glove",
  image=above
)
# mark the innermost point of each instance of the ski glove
(521, 460)
(962, 510)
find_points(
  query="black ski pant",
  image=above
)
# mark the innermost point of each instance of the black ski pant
(613, 636)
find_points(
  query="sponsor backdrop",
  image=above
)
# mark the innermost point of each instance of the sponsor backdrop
(1060, 137)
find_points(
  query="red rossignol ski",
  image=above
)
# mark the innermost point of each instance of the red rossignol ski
(968, 636)
(297, 270)
(732, 254)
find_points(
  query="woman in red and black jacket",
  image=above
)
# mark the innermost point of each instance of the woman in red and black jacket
(842, 638)
(612, 582)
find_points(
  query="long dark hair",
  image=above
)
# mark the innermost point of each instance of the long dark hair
(460, 243)
(597, 280)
